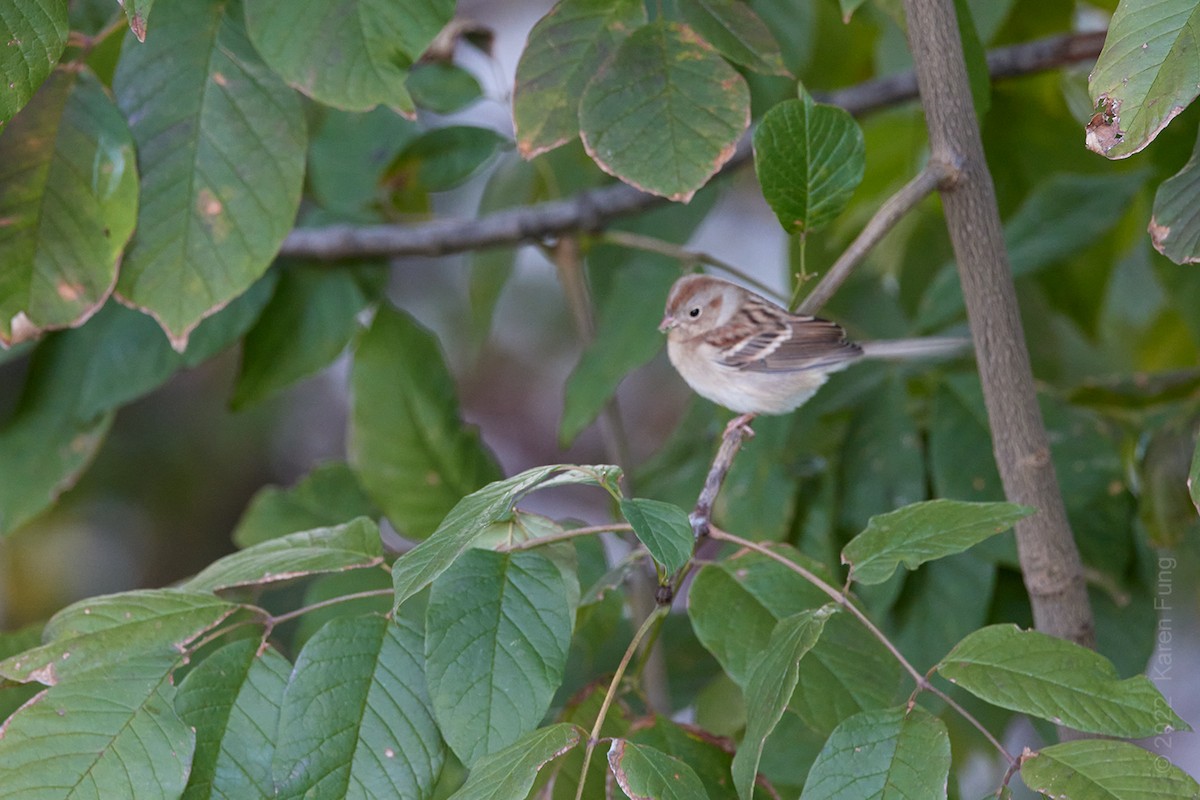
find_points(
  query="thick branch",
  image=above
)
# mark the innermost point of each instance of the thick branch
(1050, 561)
(593, 209)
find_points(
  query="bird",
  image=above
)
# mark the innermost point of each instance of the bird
(743, 352)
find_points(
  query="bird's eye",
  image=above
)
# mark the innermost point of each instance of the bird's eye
(695, 312)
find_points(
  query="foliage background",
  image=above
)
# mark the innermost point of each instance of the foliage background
(1100, 308)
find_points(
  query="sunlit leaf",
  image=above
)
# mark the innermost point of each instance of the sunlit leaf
(1175, 225)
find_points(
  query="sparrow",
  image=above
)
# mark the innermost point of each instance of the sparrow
(743, 352)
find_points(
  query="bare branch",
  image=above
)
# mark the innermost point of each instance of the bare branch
(592, 210)
(1050, 562)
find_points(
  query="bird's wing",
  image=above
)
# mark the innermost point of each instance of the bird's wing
(799, 343)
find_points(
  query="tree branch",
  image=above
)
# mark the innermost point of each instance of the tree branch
(592, 210)
(891, 212)
(1050, 561)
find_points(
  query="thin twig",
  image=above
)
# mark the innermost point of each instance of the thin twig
(731, 442)
(891, 212)
(333, 601)
(593, 209)
(574, 533)
(611, 694)
(842, 600)
(650, 244)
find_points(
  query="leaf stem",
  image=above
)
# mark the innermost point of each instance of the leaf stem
(611, 694)
(689, 257)
(574, 533)
(923, 683)
(274, 620)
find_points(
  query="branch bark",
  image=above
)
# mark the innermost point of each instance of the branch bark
(592, 210)
(1050, 562)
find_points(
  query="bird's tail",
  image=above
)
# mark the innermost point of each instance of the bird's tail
(925, 347)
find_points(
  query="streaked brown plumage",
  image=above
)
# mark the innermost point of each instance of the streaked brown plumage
(747, 354)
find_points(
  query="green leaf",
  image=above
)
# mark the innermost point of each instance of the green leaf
(137, 12)
(737, 32)
(734, 606)
(307, 324)
(511, 772)
(665, 112)
(356, 719)
(472, 517)
(103, 733)
(924, 532)
(1193, 481)
(42, 453)
(107, 378)
(663, 528)
(97, 633)
(413, 454)
(1095, 768)
(353, 55)
(888, 753)
(960, 443)
(706, 754)
(759, 496)
(772, 680)
(1061, 216)
(443, 88)
(232, 700)
(327, 496)
(975, 56)
(1058, 681)
(1175, 225)
(499, 626)
(34, 33)
(942, 602)
(643, 773)
(438, 160)
(221, 145)
(68, 198)
(625, 339)
(349, 153)
(1145, 75)
(809, 158)
(354, 545)
(566, 48)
(883, 463)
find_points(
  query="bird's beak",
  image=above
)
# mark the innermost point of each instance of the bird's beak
(667, 323)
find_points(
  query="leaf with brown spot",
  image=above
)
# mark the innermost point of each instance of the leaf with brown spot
(644, 773)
